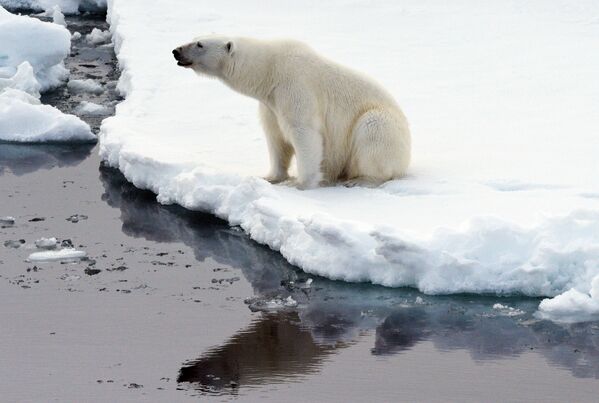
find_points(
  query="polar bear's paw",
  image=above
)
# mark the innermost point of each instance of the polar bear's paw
(274, 179)
(360, 182)
(291, 182)
(295, 183)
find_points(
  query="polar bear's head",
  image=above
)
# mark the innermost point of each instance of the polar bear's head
(244, 64)
(206, 55)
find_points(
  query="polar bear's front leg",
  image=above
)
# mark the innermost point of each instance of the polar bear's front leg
(298, 118)
(279, 150)
(307, 144)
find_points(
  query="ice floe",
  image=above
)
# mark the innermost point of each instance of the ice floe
(67, 6)
(24, 119)
(31, 62)
(504, 133)
(43, 45)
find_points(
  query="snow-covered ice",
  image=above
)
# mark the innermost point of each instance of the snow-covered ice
(97, 36)
(24, 119)
(65, 254)
(31, 61)
(23, 80)
(573, 305)
(67, 6)
(58, 16)
(502, 98)
(88, 85)
(44, 45)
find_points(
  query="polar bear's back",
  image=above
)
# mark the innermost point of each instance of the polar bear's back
(295, 61)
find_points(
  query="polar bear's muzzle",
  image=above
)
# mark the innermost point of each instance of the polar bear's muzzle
(179, 58)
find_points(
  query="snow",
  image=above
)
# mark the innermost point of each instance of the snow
(21, 39)
(501, 98)
(57, 255)
(67, 6)
(58, 16)
(24, 119)
(23, 80)
(97, 36)
(82, 86)
(91, 109)
(573, 305)
(31, 61)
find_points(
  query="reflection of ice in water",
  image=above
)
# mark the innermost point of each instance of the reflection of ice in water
(331, 315)
(23, 159)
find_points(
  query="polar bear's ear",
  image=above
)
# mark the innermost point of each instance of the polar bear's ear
(229, 47)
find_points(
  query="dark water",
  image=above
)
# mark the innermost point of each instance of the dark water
(342, 342)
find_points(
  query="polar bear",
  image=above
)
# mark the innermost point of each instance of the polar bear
(339, 124)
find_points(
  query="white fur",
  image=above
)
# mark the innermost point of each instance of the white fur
(339, 124)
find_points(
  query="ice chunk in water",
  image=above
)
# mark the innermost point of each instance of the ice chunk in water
(46, 243)
(59, 255)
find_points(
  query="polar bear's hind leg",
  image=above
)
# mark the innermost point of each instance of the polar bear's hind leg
(380, 148)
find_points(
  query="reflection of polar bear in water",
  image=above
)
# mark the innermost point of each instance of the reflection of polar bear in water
(338, 123)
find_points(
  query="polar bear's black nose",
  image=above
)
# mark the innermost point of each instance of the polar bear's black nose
(177, 54)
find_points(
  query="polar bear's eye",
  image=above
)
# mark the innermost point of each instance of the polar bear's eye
(200, 45)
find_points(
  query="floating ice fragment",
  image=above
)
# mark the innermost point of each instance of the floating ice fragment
(7, 220)
(573, 305)
(23, 119)
(274, 304)
(59, 255)
(97, 36)
(507, 310)
(75, 218)
(46, 243)
(82, 86)
(91, 109)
